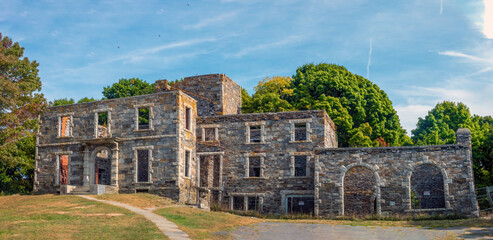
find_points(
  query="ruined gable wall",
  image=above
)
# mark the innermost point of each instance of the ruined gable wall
(392, 168)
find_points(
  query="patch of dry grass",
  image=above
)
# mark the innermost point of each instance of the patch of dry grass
(69, 217)
(200, 224)
(140, 200)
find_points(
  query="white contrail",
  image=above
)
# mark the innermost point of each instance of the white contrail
(441, 7)
(369, 61)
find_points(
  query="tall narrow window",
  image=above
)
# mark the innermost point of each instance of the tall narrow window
(300, 166)
(63, 169)
(65, 126)
(144, 118)
(254, 166)
(102, 125)
(142, 165)
(187, 163)
(300, 132)
(255, 133)
(188, 118)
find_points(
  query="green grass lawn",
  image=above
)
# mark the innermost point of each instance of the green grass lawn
(69, 217)
(72, 217)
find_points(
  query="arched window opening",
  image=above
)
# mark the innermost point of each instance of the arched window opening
(360, 192)
(427, 188)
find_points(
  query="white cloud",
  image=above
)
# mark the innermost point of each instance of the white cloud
(369, 61)
(467, 56)
(209, 21)
(409, 115)
(249, 50)
(488, 19)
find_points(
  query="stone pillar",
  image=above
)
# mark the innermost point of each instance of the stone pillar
(114, 165)
(463, 137)
(87, 166)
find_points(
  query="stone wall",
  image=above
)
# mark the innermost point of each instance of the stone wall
(216, 94)
(164, 135)
(276, 151)
(394, 171)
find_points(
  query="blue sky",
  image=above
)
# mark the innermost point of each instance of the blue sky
(420, 52)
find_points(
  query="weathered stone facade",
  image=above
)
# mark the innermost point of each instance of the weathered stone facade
(189, 141)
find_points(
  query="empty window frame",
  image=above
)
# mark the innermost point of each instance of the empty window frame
(188, 118)
(300, 164)
(210, 134)
(255, 133)
(238, 203)
(102, 125)
(254, 166)
(187, 163)
(63, 165)
(143, 118)
(253, 203)
(300, 132)
(65, 126)
(143, 165)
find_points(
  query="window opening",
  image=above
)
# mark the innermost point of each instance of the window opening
(142, 165)
(65, 126)
(300, 132)
(103, 168)
(255, 133)
(300, 205)
(102, 125)
(63, 169)
(144, 118)
(188, 115)
(238, 203)
(210, 134)
(187, 163)
(427, 187)
(253, 203)
(300, 166)
(254, 167)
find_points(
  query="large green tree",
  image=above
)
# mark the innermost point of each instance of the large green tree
(127, 88)
(20, 104)
(439, 127)
(362, 112)
(270, 96)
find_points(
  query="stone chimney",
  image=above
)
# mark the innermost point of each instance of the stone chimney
(162, 86)
(463, 137)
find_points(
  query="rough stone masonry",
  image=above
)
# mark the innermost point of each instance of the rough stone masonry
(190, 142)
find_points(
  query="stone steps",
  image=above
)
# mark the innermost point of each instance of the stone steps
(80, 190)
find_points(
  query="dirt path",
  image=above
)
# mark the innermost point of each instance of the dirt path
(166, 227)
(295, 231)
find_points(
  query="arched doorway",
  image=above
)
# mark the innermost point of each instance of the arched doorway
(360, 187)
(102, 166)
(427, 188)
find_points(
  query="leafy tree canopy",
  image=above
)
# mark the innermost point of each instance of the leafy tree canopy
(127, 88)
(65, 101)
(362, 112)
(439, 127)
(270, 96)
(20, 104)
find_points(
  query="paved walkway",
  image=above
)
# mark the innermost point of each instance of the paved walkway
(168, 228)
(296, 231)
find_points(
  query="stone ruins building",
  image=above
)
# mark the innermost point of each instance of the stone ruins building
(190, 142)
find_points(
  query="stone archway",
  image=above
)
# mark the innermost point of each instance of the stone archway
(427, 187)
(101, 157)
(360, 192)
